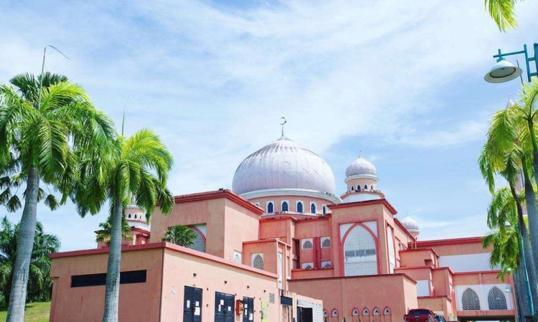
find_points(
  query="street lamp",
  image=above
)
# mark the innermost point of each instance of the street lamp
(504, 71)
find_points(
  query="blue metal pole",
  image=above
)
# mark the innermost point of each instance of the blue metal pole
(527, 63)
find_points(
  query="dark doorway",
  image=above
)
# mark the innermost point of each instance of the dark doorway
(304, 314)
(192, 304)
(248, 309)
(224, 307)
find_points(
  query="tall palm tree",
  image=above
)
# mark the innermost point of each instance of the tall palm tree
(502, 12)
(180, 235)
(43, 121)
(103, 235)
(505, 154)
(134, 169)
(40, 284)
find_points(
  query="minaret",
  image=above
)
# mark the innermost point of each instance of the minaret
(361, 181)
(136, 217)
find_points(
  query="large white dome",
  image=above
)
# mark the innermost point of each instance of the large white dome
(283, 165)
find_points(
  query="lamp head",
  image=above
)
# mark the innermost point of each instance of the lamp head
(502, 71)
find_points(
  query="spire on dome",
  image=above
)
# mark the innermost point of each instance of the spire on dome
(283, 122)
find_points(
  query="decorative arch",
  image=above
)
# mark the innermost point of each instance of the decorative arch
(284, 206)
(470, 300)
(360, 251)
(300, 207)
(334, 313)
(355, 311)
(497, 299)
(387, 311)
(313, 208)
(307, 244)
(376, 311)
(270, 207)
(257, 261)
(365, 312)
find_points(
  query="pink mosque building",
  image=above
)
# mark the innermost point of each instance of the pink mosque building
(282, 245)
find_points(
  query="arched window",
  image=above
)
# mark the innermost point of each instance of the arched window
(325, 242)
(358, 188)
(496, 299)
(129, 216)
(365, 187)
(299, 206)
(313, 208)
(307, 244)
(360, 255)
(324, 209)
(270, 207)
(257, 261)
(469, 300)
(284, 206)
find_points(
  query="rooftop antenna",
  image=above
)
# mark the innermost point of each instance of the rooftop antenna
(283, 122)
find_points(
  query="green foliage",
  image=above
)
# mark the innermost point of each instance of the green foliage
(39, 283)
(180, 235)
(105, 232)
(133, 169)
(45, 126)
(34, 312)
(502, 12)
(503, 220)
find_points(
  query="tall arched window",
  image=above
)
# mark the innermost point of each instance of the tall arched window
(496, 299)
(299, 206)
(358, 188)
(284, 206)
(360, 255)
(324, 209)
(469, 300)
(257, 261)
(270, 207)
(313, 208)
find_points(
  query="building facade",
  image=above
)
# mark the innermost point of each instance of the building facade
(283, 246)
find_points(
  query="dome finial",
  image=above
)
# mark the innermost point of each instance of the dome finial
(283, 122)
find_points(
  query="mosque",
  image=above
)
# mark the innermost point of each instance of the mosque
(283, 245)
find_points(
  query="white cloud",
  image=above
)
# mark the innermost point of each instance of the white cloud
(213, 81)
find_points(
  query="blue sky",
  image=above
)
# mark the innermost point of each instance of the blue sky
(401, 82)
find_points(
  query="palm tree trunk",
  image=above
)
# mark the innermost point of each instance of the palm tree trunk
(529, 245)
(528, 260)
(533, 218)
(25, 245)
(112, 293)
(522, 298)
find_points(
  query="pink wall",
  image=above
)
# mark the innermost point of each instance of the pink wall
(396, 291)
(85, 304)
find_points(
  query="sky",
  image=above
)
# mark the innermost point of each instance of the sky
(399, 82)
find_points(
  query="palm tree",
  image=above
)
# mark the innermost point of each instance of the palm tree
(502, 12)
(40, 284)
(134, 169)
(503, 219)
(104, 234)
(43, 121)
(180, 235)
(505, 154)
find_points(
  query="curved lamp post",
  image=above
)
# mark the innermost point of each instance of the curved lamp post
(504, 71)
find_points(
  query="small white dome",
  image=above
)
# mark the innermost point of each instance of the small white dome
(410, 224)
(361, 168)
(283, 164)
